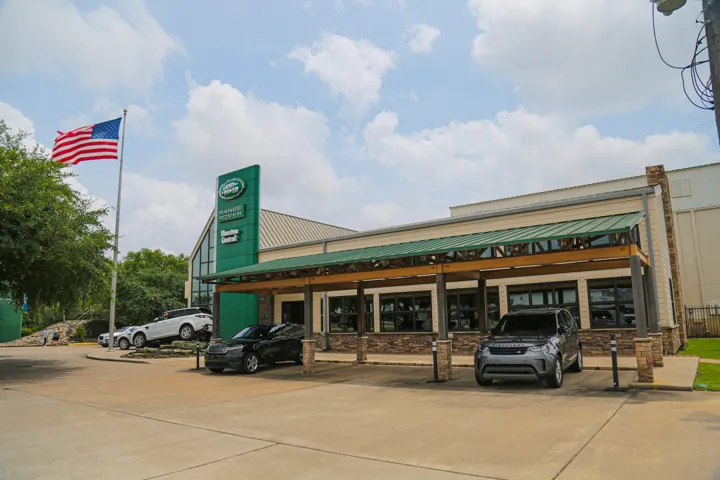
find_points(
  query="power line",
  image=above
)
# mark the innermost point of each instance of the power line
(703, 91)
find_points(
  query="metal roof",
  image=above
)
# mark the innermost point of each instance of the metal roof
(537, 233)
(278, 229)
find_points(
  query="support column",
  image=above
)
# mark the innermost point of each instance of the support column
(444, 354)
(638, 297)
(653, 315)
(309, 342)
(444, 346)
(644, 357)
(657, 349)
(482, 306)
(441, 307)
(362, 340)
(216, 317)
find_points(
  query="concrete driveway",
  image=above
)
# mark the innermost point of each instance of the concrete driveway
(64, 416)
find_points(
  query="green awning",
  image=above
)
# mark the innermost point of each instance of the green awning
(588, 227)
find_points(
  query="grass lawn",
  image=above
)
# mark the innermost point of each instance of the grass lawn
(709, 374)
(703, 348)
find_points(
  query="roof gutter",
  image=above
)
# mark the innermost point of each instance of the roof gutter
(479, 216)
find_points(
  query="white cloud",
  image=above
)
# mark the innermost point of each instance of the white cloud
(584, 57)
(423, 38)
(381, 214)
(162, 213)
(353, 69)
(392, 4)
(224, 130)
(520, 152)
(101, 48)
(16, 121)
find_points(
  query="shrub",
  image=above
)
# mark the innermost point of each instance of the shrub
(80, 334)
(26, 331)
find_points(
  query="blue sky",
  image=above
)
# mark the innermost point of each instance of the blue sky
(362, 113)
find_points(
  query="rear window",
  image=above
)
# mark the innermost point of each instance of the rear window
(532, 324)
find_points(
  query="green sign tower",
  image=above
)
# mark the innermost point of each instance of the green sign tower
(237, 242)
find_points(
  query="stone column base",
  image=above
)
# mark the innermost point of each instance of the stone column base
(308, 356)
(657, 349)
(362, 349)
(444, 355)
(644, 357)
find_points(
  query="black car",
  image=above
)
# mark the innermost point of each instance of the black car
(257, 345)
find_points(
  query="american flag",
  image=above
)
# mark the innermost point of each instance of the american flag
(94, 142)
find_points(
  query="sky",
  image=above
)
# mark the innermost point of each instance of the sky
(361, 113)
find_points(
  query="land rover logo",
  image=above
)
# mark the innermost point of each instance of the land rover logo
(231, 188)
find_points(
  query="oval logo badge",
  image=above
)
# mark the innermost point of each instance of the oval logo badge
(231, 188)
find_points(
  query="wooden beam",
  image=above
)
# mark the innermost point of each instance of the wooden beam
(376, 275)
(606, 253)
(553, 269)
(462, 276)
(395, 274)
(265, 285)
(644, 258)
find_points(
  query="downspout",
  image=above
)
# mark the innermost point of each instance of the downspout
(325, 313)
(648, 229)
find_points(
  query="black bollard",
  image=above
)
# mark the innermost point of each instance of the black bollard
(435, 365)
(197, 355)
(613, 354)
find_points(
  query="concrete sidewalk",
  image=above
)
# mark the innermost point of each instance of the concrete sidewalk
(590, 363)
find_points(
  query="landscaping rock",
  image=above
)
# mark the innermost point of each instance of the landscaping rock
(188, 345)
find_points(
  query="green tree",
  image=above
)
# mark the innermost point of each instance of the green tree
(149, 283)
(52, 242)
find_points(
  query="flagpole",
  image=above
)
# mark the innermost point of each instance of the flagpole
(113, 286)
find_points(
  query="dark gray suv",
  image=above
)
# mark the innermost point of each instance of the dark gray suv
(528, 345)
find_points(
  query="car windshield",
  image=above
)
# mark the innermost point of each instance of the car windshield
(253, 332)
(539, 324)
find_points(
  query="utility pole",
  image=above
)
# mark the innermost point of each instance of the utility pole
(711, 9)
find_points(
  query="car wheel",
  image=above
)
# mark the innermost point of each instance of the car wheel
(216, 369)
(299, 356)
(556, 378)
(482, 381)
(139, 340)
(187, 332)
(251, 363)
(124, 343)
(578, 365)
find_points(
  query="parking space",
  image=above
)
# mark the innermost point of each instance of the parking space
(65, 416)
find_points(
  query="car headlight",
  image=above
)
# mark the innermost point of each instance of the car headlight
(483, 349)
(540, 349)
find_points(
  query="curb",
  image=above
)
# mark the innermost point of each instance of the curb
(426, 364)
(660, 386)
(108, 359)
(82, 344)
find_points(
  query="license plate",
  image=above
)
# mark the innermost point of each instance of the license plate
(211, 355)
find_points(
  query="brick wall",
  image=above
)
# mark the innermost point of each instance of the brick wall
(656, 176)
(597, 342)
(466, 343)
(671, 340)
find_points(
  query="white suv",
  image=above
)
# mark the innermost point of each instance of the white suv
(181, 323)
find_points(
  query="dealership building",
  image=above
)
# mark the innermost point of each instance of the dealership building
(623, 257)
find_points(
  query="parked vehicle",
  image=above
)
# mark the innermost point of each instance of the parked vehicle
(124, 338)
(182, 323)
(257, 345)
(103, 338)
(529, 345)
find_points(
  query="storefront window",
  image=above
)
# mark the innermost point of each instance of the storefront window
(203, 263)
(463, 309)
(545, 295)
(611, 303)
(343, 314)
(406, 312)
